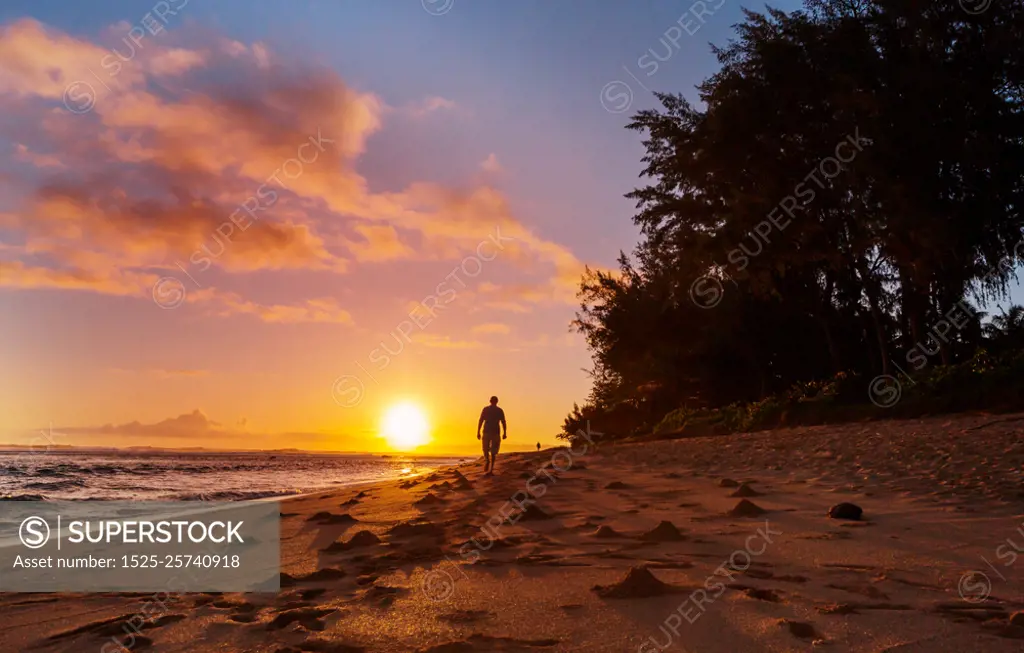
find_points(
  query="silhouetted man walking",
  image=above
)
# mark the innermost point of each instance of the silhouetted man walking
(490, 417)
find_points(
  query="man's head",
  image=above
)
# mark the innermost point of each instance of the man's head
(494, 401)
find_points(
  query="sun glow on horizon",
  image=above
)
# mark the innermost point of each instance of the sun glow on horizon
(405, 427)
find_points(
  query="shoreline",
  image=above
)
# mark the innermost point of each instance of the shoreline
(563, 551)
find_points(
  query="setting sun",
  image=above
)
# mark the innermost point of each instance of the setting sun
(405, 427)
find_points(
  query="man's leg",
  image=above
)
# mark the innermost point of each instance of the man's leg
(495, 445)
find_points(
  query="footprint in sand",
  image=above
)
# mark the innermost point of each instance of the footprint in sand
(382, 596)
(116, 627)
(308, 618)
(321, 646)
(287, 580)
(869, 591)
(799, 629)
(416, 528)
(312, 593)
(855, 608)
(756, 592)
(479, 642)
(465, 616)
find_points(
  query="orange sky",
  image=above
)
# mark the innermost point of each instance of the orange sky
(195, 256)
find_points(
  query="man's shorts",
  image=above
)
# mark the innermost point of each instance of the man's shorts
(491, 442)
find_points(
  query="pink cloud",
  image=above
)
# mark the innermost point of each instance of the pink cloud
(246, 174)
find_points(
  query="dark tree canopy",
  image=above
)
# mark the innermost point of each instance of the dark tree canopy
(855, 175)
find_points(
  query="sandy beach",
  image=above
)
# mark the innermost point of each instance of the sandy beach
(704, 544)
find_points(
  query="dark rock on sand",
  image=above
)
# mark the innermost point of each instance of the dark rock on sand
(728, 482)
(616, 485)
(666, 531)
(747, 509)
(639, 583)
(845, 511)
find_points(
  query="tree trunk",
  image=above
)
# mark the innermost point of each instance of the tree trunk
(826, 327)
(872, 290)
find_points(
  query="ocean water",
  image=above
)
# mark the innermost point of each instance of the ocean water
(192, 476)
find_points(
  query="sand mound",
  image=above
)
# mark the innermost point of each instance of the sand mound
(416, 529)
(666, 531)
(331, 518)
(532, 513)
(430, 499)
(360, 539)
(639, 583)
(747, 509)
(746, 491)
(462, 483)
(606, 531)
(728, 482)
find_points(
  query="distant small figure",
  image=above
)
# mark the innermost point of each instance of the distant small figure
(490, 417)
(538, 446)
